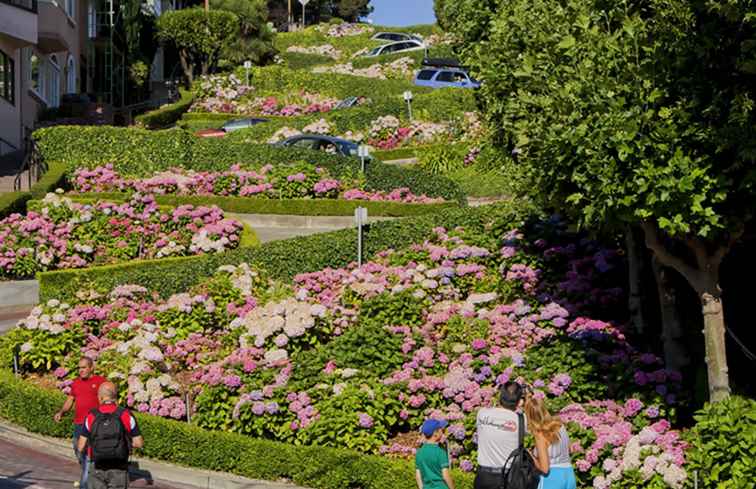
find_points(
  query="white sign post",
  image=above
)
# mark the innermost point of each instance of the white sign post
(408, 99)
(247, 66)
(363, 151)
(304, 4)
(360, 219)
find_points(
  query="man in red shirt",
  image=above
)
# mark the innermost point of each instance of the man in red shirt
(109, 433)
(84, 396)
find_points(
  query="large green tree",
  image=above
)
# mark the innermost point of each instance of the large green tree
(255, 40)
(635, 111)
(198, 36)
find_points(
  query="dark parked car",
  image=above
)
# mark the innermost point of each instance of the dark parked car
(350, 102)
(230, 126)
(319, 142)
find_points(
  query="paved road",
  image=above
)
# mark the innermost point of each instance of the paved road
(25, 468)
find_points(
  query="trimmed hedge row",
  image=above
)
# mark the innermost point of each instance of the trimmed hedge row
(166, 115)
(16, 201)
(281, 259)
(180, 443)
(297, 207)
(142, 152)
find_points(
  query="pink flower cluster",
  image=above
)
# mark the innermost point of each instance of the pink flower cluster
(63, 234)
(396, 195)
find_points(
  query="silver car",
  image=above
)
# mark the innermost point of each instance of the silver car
(395, 37)
(396, 47)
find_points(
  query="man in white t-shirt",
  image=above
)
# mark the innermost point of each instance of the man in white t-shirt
(497, 436)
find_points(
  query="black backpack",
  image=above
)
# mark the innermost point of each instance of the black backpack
(520, 471)
(108, 438)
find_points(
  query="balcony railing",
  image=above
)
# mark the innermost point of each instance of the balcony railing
(30, 5)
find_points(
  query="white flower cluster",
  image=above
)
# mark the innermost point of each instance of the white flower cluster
(203, 241)
(642, 455)
(242, 277)
(326, 50)
(321, 126)
(401, 67)
(289, 317)
(172, 248)
(51, 321)
(346, 29)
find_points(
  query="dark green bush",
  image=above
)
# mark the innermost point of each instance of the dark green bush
(167, 115)
(281, 259)
(16, 201)
(297, 207)
(723, 445)
(184, 444)
(142, 152)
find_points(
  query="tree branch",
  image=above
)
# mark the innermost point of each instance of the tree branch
(654, 244)
(723, 250)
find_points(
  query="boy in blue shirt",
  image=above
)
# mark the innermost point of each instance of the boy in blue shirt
(431, 461)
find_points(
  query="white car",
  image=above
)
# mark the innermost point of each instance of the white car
(396, 47)
(395, 37)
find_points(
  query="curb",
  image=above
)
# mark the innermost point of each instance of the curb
(327, 223)
(153, 469)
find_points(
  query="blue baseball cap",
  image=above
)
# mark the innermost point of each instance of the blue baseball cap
(431, 425)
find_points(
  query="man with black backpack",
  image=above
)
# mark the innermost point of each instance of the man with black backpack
(110, 432)
(503, 461)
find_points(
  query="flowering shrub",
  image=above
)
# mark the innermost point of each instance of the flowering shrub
(58, 233)
(358, 357)
(283, 182)
(293, 104)
(320, 126)
(400, 68)
(387, 132)
(345, 29)
(219, 93)
(326, 50)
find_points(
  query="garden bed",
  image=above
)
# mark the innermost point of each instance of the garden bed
(58, 233)
(144, 153)
(354, 358)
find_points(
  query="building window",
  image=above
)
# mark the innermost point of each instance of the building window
(36, 74)
(71, 8)
(91, 20)
(7, 78)
(71, 75)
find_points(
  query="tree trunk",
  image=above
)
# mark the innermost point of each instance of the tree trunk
(675, 353)
(704, 278)
(635, 269)
(187, 67)
(714, 336)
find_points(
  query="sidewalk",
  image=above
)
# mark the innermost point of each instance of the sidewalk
(32, 461)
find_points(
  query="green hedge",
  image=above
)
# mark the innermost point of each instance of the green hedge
(166, 115)
(296, 207)
(281, 259)
(180, 443)
(16, 201)
(142, 152)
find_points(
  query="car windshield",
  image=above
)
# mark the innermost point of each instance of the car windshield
(375, 51)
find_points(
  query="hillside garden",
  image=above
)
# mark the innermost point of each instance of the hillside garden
(288, 360)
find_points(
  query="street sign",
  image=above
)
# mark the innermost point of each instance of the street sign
(363, 151)
(247, 64)
(360, 216)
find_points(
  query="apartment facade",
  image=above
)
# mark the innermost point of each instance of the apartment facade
(42, 57)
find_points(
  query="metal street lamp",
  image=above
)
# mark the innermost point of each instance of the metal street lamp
(363, 151)
(408, 99)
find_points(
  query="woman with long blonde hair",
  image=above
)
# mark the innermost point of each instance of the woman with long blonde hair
(552, 452)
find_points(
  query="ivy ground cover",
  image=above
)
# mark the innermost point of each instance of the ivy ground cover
(57, 233)
(357, 357)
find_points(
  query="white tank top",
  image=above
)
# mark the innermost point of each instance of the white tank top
(559, 451)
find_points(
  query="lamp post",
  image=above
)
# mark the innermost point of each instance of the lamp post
(363, 151)
(360, 219)
(247, 66)
(408, 99)
(304, 4)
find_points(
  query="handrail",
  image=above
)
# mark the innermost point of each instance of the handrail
(34, 164)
